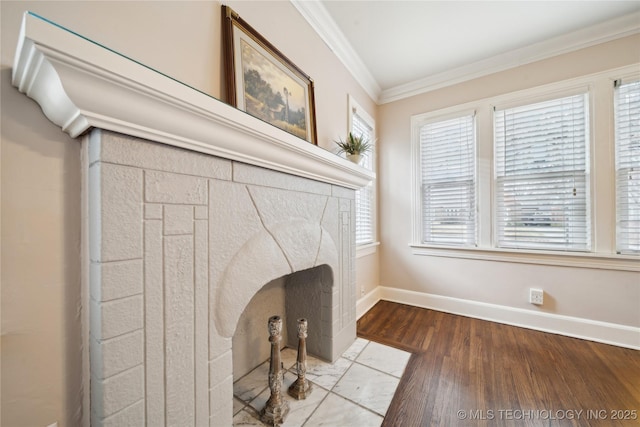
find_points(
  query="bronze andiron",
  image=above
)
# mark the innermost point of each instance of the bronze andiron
(276, 409)
(301, 388)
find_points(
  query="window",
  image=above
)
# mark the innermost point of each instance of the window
(627, 128)
(541, 175)
(362, 124)
(448, 181)
(542, 184)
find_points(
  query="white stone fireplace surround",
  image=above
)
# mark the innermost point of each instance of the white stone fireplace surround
(193, 206)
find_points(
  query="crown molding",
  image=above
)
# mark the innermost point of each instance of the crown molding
(600, 33)
(320, 20)
(80, 84)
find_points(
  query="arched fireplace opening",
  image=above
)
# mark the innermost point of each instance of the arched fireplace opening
(303, 294)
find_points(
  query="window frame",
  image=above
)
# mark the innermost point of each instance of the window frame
(533, 100)
(417, 122)
(601, 179)
(353, 107)
(622, 80)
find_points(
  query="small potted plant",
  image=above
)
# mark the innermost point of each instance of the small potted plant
(354, 147)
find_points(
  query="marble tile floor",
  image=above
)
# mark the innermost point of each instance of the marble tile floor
(356, 390)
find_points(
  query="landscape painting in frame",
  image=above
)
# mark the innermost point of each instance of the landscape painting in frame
(264, 83)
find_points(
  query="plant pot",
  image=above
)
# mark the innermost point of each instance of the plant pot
(355, 158)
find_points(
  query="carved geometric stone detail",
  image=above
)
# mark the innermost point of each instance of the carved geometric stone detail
(203, 247)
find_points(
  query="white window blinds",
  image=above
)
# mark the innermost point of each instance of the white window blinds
(448, 186)
(627, 125)
(364, 196)
(541, 168)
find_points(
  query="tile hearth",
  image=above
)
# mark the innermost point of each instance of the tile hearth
(355, 390)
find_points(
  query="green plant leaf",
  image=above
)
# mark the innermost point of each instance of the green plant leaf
(354, 144)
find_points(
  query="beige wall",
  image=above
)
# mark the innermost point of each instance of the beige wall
(603, 295)
(40, 176)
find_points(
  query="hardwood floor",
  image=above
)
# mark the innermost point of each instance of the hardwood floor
(470, 372)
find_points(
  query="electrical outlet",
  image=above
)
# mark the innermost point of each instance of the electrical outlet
(536, 296)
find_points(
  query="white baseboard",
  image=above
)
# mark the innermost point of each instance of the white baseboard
(365, 303)
(593, 330)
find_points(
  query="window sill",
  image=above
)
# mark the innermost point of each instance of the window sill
(367, 249)
(564, 259)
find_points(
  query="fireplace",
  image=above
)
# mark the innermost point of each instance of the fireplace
(294, 296)
(192, 208)
(180, 242)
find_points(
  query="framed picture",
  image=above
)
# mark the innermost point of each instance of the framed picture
(265, 83)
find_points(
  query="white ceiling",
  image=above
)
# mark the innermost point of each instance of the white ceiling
(398, 48)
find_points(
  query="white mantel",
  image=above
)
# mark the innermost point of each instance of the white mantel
(81, 84)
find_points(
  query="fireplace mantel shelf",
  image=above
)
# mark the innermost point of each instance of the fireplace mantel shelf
(80, 84)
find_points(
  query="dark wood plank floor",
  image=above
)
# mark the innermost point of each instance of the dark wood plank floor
(470, 372)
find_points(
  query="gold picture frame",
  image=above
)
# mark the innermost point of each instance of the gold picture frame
(264, 83)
